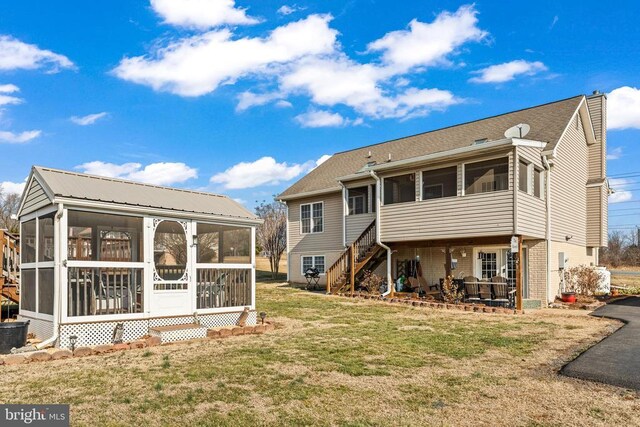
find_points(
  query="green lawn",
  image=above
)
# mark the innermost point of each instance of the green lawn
(335, 361)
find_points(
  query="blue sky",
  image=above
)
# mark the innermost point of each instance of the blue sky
(244, 97)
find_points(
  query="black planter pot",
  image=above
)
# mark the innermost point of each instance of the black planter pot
(13, 334)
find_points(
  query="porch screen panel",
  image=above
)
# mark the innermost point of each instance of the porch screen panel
(400, 189)
(45, 238)
(523, 176)
(224, 287)
(104, 237)
(28, 241)
(487, 176)
(440, 183)
(28, 290)
(223, 244)
(537, 182)
(95, 291)
(45, 290)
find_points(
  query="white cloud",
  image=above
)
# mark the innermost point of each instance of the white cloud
(264, 171)
(614, 154)
(320, 118)
(9, 88)
(304, 58)
(623, 108)
(554, 22)
(88, 119)
(428, 44)
(239, 200)
(288, 10)
(9, 187)
(18, 137)
(619, 194)
(163, 173)
(197, 65)
(508, 71)
(15, 54)
(201, 14)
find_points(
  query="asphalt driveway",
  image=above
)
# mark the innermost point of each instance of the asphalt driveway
(616, 359)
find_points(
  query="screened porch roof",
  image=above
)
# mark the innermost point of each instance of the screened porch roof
(60, 184)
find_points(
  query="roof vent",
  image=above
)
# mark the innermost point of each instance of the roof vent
(480, 141)
(389, 159)
(518, 131)
(371, 163)
(369, 155)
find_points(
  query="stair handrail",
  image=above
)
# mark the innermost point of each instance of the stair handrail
(353, 253)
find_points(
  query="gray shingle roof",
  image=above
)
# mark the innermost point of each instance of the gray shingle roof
(101, 189)
(547, 123)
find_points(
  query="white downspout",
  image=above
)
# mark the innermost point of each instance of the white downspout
(547, 166)
(378, 241)
(57, 309)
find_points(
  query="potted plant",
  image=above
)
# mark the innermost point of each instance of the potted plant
(568, 293)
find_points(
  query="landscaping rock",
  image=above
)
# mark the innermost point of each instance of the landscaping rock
(486, 309)
(1, 361)
(249, 329)
(468, 308)
(225, 332)
(121, 346)
(83, 351)
(260, 329)
(153, 341)
(138, 344)
(237, 331)
(213, 333)
(269, 327)
(61, 354)
(15, 359)
(39, 356)
(25, 349)
(103, 348)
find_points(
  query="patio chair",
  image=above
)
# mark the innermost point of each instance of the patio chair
(485, 292)
(430, 291)
(501, 293)
(472, 293)
(411, 285)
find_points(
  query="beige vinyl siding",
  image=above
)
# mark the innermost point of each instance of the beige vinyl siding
(604, 224)
(568, 186)
(35, 198)
(594, 216)
(360, 183)
(597, 151)
(532, 210)
(356, 224)
(484, 214)
(295, 260)
(331, 237)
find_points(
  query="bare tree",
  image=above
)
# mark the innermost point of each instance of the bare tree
(9, 204)
(272, 234)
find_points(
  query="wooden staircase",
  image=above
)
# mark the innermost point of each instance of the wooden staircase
(363, 253)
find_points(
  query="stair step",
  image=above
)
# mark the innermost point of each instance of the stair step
(183, 332)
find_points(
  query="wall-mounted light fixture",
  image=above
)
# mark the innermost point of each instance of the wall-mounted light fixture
(568, 237)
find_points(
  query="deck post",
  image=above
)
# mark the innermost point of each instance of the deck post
(447, 261)
(353, 268)
(519, 275)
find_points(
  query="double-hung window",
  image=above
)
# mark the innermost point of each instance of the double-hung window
(312, 218)
(358, 200)
(313, 261)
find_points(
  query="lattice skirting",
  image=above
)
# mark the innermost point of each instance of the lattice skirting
(97, 333)
(42, 329)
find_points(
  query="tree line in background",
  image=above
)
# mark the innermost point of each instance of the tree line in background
(271, 235)
(623, 250)
(9, 204)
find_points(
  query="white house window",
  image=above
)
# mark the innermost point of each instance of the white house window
(537, 182)
(400, 189)
(315, 261)
(358, 199)
(488, 264)
(312, 217)
(523, 176)
(486, 176)
(440, 183)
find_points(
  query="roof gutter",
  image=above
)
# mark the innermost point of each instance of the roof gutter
(378, 240)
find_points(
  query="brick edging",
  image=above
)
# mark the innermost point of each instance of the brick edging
(151, 341)
(475, 308)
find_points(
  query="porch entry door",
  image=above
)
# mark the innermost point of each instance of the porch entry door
(501, 262)
(172, 268)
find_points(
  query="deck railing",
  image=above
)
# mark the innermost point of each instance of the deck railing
(345, 265)
(101, 291)
(339, 268)
(224, 287)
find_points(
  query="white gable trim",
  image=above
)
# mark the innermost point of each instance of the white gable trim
(586, 123)
(33, 176)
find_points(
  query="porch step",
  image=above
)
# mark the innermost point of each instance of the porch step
(183, 332)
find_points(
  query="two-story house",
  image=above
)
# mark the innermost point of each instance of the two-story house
(454, 201)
